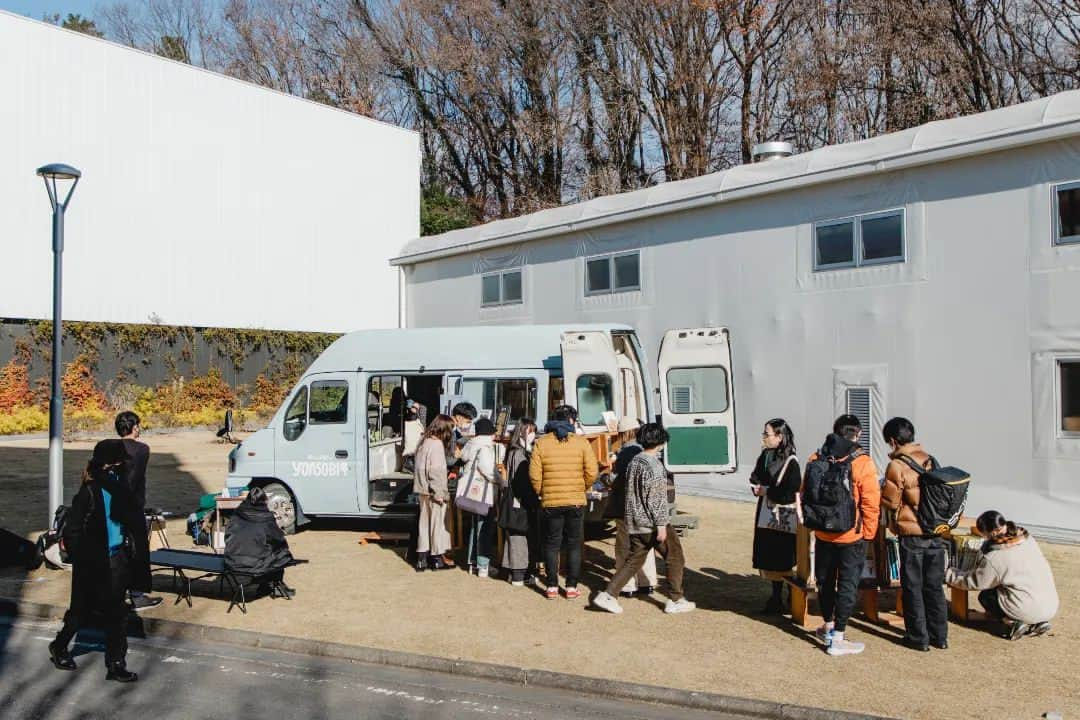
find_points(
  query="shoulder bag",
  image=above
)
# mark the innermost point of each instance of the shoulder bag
(774, 516)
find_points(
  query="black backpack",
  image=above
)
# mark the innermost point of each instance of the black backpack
(942, 496)
(828, 502)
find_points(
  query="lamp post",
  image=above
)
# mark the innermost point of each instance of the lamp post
(52, 174)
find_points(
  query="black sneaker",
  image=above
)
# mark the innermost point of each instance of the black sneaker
(915, 644)
(118, 672)
(1017, 630)
(144, 602)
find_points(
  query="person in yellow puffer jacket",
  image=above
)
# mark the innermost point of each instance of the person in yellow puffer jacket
(563, 467)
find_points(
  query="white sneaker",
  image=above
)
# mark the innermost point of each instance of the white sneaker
(682, 605)
(825, 635)
(606, 602)
(517, 583)
(845, 647)
(481, 572)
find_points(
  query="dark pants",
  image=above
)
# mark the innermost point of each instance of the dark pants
(107, 593)
(838, 569)
(640, 547)
(563, 524)
(989, 600)
(922, 574)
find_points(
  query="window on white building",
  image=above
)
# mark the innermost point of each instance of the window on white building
(613, 273)
(1066, 213)
(1069, 396)
(871, 239)
(501, 288)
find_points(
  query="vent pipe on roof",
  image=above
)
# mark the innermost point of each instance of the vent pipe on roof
(774, 150)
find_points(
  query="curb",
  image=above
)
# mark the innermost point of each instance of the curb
(613, 689)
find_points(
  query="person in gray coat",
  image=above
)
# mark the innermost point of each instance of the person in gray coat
(1016, 583)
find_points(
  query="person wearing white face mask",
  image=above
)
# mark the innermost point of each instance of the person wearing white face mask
(518, 509)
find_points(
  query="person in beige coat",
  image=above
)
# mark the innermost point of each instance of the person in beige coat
(562, 468)
(1016, 583)
(430, 485)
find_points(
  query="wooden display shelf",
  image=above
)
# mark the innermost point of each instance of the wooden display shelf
(869, 603)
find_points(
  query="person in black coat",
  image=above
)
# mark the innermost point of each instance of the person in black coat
(101, 523)
(255, 546)
(128, 427)
(776, 478)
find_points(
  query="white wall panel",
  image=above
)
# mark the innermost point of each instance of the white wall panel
(205, 201)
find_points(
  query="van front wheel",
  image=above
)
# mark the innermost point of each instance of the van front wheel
(280, 502)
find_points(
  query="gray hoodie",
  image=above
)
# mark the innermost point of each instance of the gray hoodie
(1021, 575)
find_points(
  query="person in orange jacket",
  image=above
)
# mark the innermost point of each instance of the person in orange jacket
(840, 556)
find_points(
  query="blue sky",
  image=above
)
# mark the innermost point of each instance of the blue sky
(38, 8)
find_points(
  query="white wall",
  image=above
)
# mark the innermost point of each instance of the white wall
(955, 335)
(204, 201)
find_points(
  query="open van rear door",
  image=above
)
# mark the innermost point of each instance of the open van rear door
(590, 371)
(697, 400)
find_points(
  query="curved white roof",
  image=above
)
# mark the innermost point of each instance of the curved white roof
(1023, 124)
(478, 347)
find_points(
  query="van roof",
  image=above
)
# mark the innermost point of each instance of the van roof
(477, 347)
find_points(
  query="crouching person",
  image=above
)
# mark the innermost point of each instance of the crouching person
(256, 547)
(1016, 581)
(647, 522)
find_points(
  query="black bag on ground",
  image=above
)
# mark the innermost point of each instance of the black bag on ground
(942, 496)
(827, 500)
(17, 551)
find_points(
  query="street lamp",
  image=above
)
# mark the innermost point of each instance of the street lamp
(53, 174)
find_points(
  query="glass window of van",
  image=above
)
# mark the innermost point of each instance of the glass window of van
(296, 415)
(490, 394)
(594, 397)
(697, 390)
(329, 402)
(1066, 200)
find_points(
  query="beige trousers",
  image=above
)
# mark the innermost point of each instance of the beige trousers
(646, 576)
(432, 536)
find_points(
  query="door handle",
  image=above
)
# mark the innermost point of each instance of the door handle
(341, 454)
(699, 421)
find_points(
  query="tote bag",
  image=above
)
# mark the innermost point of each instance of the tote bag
(781, 518)
(477, 493)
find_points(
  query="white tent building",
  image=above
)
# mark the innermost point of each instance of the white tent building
(204, 200)
(932, 273)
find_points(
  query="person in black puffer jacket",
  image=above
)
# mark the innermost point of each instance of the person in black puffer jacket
(256, 546)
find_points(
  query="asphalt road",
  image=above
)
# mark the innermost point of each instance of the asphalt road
(184, 680)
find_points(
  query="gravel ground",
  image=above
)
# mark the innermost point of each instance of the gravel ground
(368, 595)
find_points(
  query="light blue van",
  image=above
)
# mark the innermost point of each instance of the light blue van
(336, 446)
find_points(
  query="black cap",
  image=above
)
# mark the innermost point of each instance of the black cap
(110, 452)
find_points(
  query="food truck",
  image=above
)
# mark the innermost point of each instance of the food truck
(337, 445)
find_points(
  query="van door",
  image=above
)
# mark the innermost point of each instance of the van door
(697, 400)
(316, 452)
(590, 374)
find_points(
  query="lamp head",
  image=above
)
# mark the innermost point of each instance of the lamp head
(59, 171)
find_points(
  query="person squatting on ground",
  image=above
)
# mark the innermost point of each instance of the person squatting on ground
(101, 524)
(562, 469)
(775, 481)
(518, 504)
(479, 458)
(645, 581)
(256, 547)
(431, 487)
(840, 556)
(128, 427)
(648, 522)
(1016, 583)
(922, 558)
